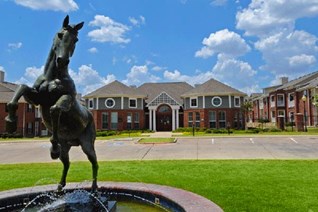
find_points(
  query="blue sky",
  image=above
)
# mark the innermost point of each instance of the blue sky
(246, 44)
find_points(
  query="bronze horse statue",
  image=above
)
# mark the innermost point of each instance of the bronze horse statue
(70, 123)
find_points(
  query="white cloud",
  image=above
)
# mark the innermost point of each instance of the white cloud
(219, 2)
(108, 30)
(137, 21)
(14, 46)
(262, 18)
(55, 5)
(237, 73)
(93, 50)
(30, 75)
(87, 79)
(224, 42)
(300, 60)
(288, 52)
(138, 75)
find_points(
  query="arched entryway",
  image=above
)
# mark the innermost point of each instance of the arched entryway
(164, 118)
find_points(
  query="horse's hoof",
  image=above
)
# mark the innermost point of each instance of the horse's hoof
(60, 188)
(55, 153)
(94, 187)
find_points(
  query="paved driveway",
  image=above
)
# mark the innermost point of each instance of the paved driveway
(278, 147)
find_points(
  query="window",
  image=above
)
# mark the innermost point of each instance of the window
(110, 103)
(273, 101)
(91, 104)
(129, 120)
(30, 128)
(194, 102)
(291, 117)
(133, 103)
(291, 101)
(280, 100)
(281, 113)
(136, 121)
(237, 101)
(222, 119)
(216, 101)
(37, 112)
(212, 119)
(164, 109)
(105, 120)
(114, 120)
(261, 104)
(273, 115)
(190, 119)
(197, 119)
(29, 108)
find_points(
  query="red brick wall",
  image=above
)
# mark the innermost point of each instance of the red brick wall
(122, 118)
(204, 114)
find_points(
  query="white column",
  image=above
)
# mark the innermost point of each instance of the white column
(230, 102)
(97, 103)
(173, 119)
(150, 119)
(154, 120)
(122, 103)
(177, 110)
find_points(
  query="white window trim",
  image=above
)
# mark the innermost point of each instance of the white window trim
(237, 97)
(280, 105)
(196, 98)
(216, 97)
(291, 103)
(112, 100)
(89, 103)
(129, 102)
(278, 111)
(273, 103)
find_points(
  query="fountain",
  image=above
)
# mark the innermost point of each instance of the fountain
(54, 91)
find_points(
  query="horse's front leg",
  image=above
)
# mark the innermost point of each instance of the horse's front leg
(12, 106)
(62, 105)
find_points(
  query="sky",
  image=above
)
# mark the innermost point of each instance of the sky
(248, 45)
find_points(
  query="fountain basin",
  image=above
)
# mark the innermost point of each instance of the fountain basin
(168, 198)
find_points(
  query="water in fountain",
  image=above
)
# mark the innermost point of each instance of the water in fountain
(77, 200)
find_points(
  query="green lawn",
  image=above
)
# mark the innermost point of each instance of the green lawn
(156, 140)
(235, 185)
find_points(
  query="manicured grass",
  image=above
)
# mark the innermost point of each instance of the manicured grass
(235, 185)
(156, 140)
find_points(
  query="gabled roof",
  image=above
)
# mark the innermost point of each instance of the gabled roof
(298, 82)
(173, 89)
(213, 87)
(115, 89)
(308, 85)
(7, 91)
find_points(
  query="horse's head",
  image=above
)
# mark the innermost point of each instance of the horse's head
(65, 41)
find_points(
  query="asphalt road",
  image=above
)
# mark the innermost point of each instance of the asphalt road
(271, 147)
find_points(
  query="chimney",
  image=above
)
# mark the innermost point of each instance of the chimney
(284, 80)
(1, 76)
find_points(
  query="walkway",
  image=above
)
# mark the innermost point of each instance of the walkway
(278, 147)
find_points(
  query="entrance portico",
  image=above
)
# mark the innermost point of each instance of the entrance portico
(163, 113)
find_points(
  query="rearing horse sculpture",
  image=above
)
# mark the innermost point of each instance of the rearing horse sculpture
(54, 91)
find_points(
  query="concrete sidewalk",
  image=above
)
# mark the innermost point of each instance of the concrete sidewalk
(282, 147)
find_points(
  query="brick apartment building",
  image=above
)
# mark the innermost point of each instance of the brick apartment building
(166, 106)
(29, 122)
(287, 100)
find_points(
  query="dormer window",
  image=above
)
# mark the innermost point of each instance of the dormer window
(132, 103)
(91, 104)
(194, 102)
(110, 103)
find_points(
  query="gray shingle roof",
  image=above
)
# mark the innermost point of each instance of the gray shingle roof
(299, 81)
(7, 91)
(173, 89)
(115, 89)
(213, 87)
